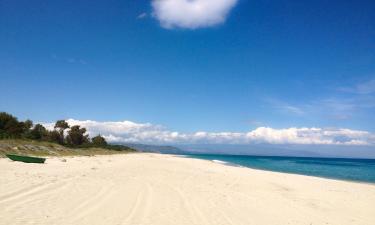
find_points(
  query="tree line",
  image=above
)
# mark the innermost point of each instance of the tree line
(75, 136)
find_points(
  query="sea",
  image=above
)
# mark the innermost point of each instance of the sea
(360, 170)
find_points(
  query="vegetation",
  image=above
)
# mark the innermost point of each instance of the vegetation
(61, 125)
(76, 136)
(62, 134)
(99, 141)
(43, 148)
(10, 127)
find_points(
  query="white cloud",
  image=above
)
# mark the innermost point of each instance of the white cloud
(68, 60)
(285, 107)
(365, 88)
(127, 131)
(191, 14)
(310, 136)
(142, 16)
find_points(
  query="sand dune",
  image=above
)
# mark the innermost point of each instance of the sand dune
(164, 189)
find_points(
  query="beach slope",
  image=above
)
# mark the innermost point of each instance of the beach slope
(159, 189)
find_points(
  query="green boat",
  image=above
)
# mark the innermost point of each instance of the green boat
(26, 159)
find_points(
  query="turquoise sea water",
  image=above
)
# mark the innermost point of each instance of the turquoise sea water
(344, 169)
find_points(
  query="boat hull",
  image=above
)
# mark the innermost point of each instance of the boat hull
(26, 159)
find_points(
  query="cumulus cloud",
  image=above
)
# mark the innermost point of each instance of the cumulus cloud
(127, 131)
(191, 14)
(317, 136)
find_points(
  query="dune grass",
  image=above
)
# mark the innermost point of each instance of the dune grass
(40, 148)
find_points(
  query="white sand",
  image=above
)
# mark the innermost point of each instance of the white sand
(163, 189)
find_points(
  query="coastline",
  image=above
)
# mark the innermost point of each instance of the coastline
(290, 169)
(226, 163)
(148, 188)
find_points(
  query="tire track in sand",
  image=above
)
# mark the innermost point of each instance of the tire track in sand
(90, 203)
(142, 206)
(31, 190)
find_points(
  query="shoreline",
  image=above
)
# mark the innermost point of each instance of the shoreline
(283, 172)
(272, 171)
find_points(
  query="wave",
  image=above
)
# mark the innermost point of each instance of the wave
(226, 163)
(219, 161)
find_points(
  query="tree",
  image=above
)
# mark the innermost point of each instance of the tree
(6, 118)
(61, 125)
(76, 136)
(38, 132)
(98, 141)
(9, 126)
(54, 136)
(26, 128)
(28, 124)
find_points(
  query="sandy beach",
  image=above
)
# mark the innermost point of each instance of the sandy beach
(165, 189)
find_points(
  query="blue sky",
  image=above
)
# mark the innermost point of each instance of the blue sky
(233, 67)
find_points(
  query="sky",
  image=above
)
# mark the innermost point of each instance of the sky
(194, 71)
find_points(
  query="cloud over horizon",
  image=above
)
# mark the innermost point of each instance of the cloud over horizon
(131, 132)
(191, 14)
(342, 103)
